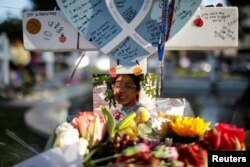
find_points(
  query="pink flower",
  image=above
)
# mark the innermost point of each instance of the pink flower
(91, 127)
(113, 72)
(226, 137)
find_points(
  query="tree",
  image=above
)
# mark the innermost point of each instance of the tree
(44, 5)
(13, 29)
(238, 3)
(243, 15)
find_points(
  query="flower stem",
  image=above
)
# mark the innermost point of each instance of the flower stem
(105, 158)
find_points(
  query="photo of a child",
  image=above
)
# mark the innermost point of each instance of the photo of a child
(124, 93)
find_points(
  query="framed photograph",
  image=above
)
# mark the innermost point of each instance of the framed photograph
(124, 93)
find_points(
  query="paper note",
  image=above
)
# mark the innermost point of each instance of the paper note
(50, 31)
(218, 30)
(123, 30)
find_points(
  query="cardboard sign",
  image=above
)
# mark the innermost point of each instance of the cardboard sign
(67, 156)
(217, 29)
(209, 28)
(124, 30)
(50, 31)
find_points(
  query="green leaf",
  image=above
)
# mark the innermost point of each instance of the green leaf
(109, 120)
(50, 141)
(131, 151)
(161, 152)
(145, 131)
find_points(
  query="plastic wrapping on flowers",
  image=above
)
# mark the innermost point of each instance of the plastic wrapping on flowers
(141, 138)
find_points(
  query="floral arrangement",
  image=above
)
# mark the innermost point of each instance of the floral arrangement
(147, 139)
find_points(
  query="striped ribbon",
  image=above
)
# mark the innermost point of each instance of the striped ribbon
(166, 24)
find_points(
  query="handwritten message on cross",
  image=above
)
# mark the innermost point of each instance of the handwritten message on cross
(129, 31)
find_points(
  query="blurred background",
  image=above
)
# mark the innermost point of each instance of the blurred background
(34, 98)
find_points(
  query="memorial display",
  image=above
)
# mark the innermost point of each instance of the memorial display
(126, 127)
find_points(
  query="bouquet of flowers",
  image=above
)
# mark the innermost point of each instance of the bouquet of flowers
(147, 139)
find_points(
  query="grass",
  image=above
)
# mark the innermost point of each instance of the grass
(11, 152)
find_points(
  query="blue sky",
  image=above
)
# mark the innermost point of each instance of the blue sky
(14, 7)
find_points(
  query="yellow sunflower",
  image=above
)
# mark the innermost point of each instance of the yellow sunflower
(189, 126)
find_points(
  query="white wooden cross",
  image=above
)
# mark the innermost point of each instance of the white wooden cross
(4, 59)
(219, 30)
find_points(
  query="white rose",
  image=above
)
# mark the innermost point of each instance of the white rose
(66, 134)
(63, 127)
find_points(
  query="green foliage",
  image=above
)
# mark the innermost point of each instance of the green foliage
(13, 29)
(148, 85)
(44, 5)
(106, 79)
(145, 131)
(238, 3)
(109, 120)
(50, 141)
